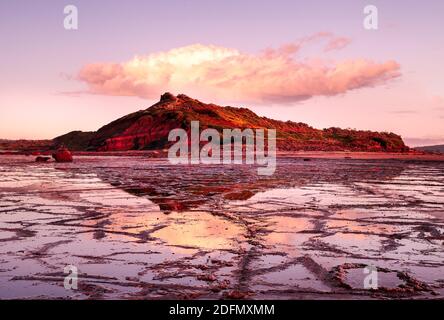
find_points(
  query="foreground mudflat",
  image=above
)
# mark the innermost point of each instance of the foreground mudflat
(140, 228)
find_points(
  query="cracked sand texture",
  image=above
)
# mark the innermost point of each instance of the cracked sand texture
(139, 228)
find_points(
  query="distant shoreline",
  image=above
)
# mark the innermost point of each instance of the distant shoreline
(419, 156)
(363, 155)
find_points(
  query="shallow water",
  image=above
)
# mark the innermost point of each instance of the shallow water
(141, 228)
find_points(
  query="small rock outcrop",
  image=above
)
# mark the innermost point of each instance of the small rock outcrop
(168, 97)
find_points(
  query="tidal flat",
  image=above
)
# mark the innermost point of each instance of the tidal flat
(140, 228)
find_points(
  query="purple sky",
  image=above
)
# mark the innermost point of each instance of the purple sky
(40, 60)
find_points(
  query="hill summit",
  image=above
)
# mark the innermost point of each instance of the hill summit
(148, 130)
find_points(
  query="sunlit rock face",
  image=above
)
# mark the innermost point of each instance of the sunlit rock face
(148, 129)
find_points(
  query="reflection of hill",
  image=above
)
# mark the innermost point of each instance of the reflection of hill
(179, 188)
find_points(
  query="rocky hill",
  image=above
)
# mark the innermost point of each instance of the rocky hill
(148, 130)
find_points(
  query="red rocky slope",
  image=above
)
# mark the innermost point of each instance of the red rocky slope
(149, 129)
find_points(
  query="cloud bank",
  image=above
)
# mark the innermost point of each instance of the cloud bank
(207, 71)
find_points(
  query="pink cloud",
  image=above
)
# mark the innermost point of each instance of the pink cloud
(274, 75)
(337, 44)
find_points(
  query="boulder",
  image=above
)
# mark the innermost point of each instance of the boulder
(168, 97)
(62, 155)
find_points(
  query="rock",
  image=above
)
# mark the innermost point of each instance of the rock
(207, 277)
(62, 155)
(42, 159)
(236, 295)
(167, 97)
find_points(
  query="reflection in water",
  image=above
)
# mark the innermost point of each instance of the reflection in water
(200, 230)
(227, 230)
(183, 187)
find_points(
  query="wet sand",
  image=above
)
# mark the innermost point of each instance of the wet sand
(140, 228)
